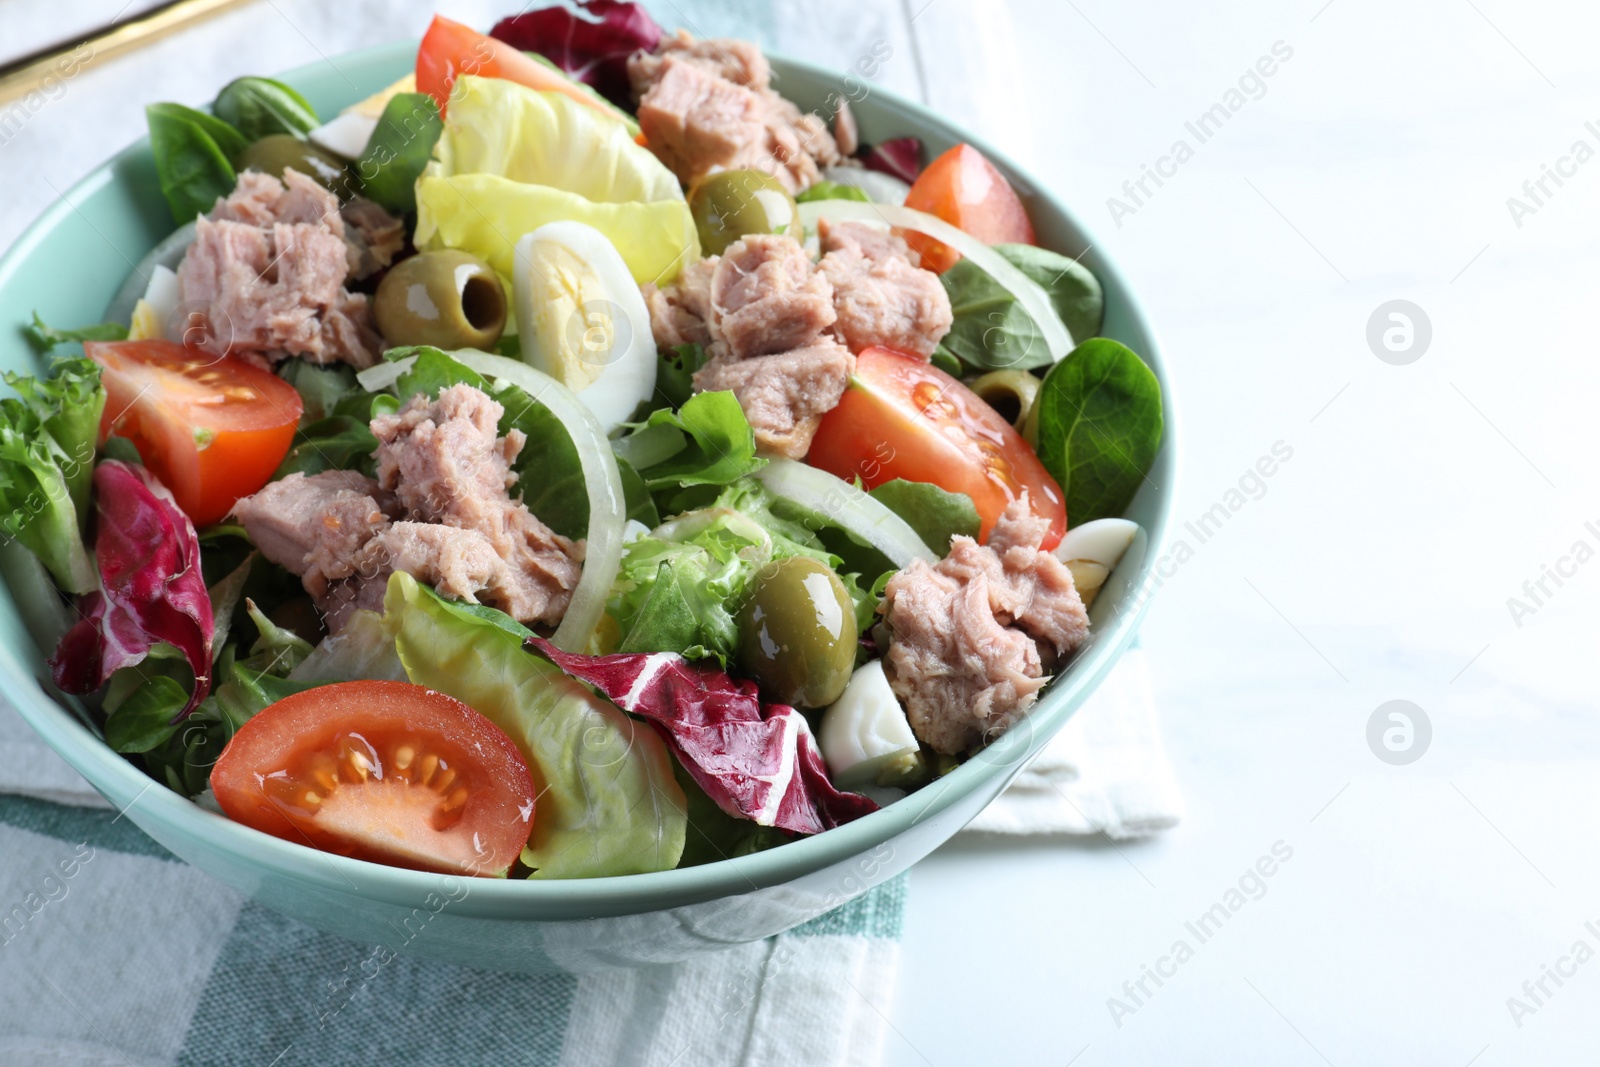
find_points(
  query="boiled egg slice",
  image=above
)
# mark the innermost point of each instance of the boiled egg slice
(1092, 551)
(582, 319)
(865, 730)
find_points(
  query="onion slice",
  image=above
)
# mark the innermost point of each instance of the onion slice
(608, 514)
(1028, 293)
(602, 480)
(846, 506)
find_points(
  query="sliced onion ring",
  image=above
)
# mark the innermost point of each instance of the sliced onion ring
(607, 513)
(1032, 298)
(846, 506)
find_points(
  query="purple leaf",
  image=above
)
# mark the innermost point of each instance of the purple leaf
(757, 762)
(151, 588)
(899, 156)
(594, 50)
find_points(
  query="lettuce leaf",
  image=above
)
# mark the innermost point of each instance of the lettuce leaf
(936, 515)
(480, 213)
(511, 159)
(708, 441)
(680, 587)
(608, 802)
(47, 450)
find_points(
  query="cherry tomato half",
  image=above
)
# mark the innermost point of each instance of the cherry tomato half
(902, 418)
(450, 49)
(964, 189)
(212, 429)
(384, 771)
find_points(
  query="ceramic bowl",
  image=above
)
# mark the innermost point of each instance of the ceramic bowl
(68, 266)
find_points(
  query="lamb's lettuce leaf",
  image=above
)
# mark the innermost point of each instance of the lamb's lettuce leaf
(608, 801)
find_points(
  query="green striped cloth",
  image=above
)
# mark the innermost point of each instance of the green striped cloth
(112, 951)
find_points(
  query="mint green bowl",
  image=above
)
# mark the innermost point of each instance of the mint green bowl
(68, 265)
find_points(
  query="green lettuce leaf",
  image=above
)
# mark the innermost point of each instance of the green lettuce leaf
(511, 159)
(707, 441)
(680, 587)
(608, 801)
(47, 452)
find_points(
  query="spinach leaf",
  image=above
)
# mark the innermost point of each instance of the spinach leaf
(398, 150)
(935, 514)
(195, 155)
(991, 330)
(259, 107)
(1099, 427)
(44, 338)
(833, 191)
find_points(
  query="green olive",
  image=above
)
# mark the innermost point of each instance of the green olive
(797, 633)
(446, 298)
(1010, 392)
(732, 203)
(275, 152)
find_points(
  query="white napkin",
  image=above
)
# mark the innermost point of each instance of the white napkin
(1105, 772)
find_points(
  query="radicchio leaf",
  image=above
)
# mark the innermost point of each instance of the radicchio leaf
(898, 156)
(595, 52)
(151, 588)
(756, 761)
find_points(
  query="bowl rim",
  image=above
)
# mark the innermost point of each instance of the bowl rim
(116, 778)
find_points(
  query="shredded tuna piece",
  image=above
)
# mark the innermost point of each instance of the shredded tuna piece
(266, 273)
(784, 396)
(446, 466)
(767, 297)
(966, 633)
(740, 62)
(440, 512)
(879, 295)
(316, 525)
(372, 237)
(707, 106)
(679, 314)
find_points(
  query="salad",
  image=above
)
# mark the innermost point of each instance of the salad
(573, 460)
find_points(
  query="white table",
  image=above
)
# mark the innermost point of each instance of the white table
(1374, 565)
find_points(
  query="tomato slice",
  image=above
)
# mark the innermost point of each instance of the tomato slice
(211, 429)
(902, 418)
(389, 772)
(450, 49)
(964, 189)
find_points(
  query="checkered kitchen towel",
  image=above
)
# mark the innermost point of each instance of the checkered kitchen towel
(114, 952)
